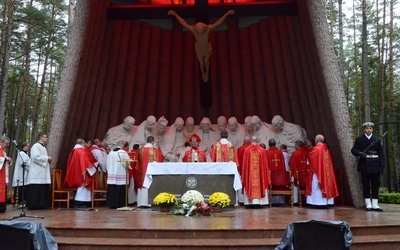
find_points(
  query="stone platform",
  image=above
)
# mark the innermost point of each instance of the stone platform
(241, 228)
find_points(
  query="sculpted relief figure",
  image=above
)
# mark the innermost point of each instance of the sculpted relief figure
(174, 141)
(208, 136)
(262, 130)
(120, 132)
(222, 124)
(143, 131)
(189, 129)
(159, 130)
(237, 132)
(249, 129)
(287, 133)
(201, 33)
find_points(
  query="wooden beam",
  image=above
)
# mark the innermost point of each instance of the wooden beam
(268, 8)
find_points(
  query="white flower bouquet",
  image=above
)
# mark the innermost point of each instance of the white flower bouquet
(192, 203)
(192, 196)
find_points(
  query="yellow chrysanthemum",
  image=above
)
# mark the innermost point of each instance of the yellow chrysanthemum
(219, 199)
(165, 199)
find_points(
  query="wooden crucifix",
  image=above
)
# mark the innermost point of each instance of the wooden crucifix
(201, 33)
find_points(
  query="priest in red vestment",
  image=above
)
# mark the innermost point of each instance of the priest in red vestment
(299, 161)
(4, 162)
(323, 183)
(255, 175)
(299, 158)
(194, 154)
(240, 153)
(224, 150)
(275, 158)
(148, 153)
(80, 168)
(134, 170)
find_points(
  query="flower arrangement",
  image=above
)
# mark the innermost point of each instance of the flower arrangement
(192, 203)
(192, 196)
(196, 209)
(165, 200)
(219, 199)
(200, 209)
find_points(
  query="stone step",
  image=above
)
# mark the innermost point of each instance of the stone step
(202, 233)
(167, 234)
(379, 241)
(365, 242)
(79, 243)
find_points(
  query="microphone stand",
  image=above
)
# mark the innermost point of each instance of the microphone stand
(23, 203)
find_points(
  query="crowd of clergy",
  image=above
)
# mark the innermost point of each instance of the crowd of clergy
(256, 147)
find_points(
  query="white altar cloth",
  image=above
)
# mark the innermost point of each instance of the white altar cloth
(195, 168)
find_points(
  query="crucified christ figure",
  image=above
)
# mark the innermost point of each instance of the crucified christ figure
(201, 33)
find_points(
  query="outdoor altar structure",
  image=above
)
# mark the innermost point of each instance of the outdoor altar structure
(207, 178)
(270, 57)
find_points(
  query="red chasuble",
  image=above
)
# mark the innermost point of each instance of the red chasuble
(255, 175)
(188, 155)
(275, 159)
(78, 162)
(298, 160)
(321, 164)
(240, 153)
(146, 155)
(224, 153)
(3, 178)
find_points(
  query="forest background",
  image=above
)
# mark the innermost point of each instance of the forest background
(365, 33)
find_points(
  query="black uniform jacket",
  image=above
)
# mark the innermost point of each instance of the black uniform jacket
(371, 164)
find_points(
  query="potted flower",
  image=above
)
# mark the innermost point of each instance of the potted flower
(192, 204)
(165, 200)
(192, 196)
(219, 200)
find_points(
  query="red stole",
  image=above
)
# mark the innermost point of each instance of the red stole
(255, 175)
(321, 164)
(275, 159)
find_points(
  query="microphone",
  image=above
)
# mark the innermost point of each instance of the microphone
(15, 143)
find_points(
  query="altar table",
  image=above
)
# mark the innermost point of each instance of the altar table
(179, 177)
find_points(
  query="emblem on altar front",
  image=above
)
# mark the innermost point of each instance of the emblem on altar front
(191, 182)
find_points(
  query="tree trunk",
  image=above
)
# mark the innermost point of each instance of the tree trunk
(47, 53)
(68, 75)
(359, 88)
(25, 85)
(331, 19)
(381, 60)
(6, 45)
(341, 50)
(393, 100)
(365, 80)
(336, 95)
